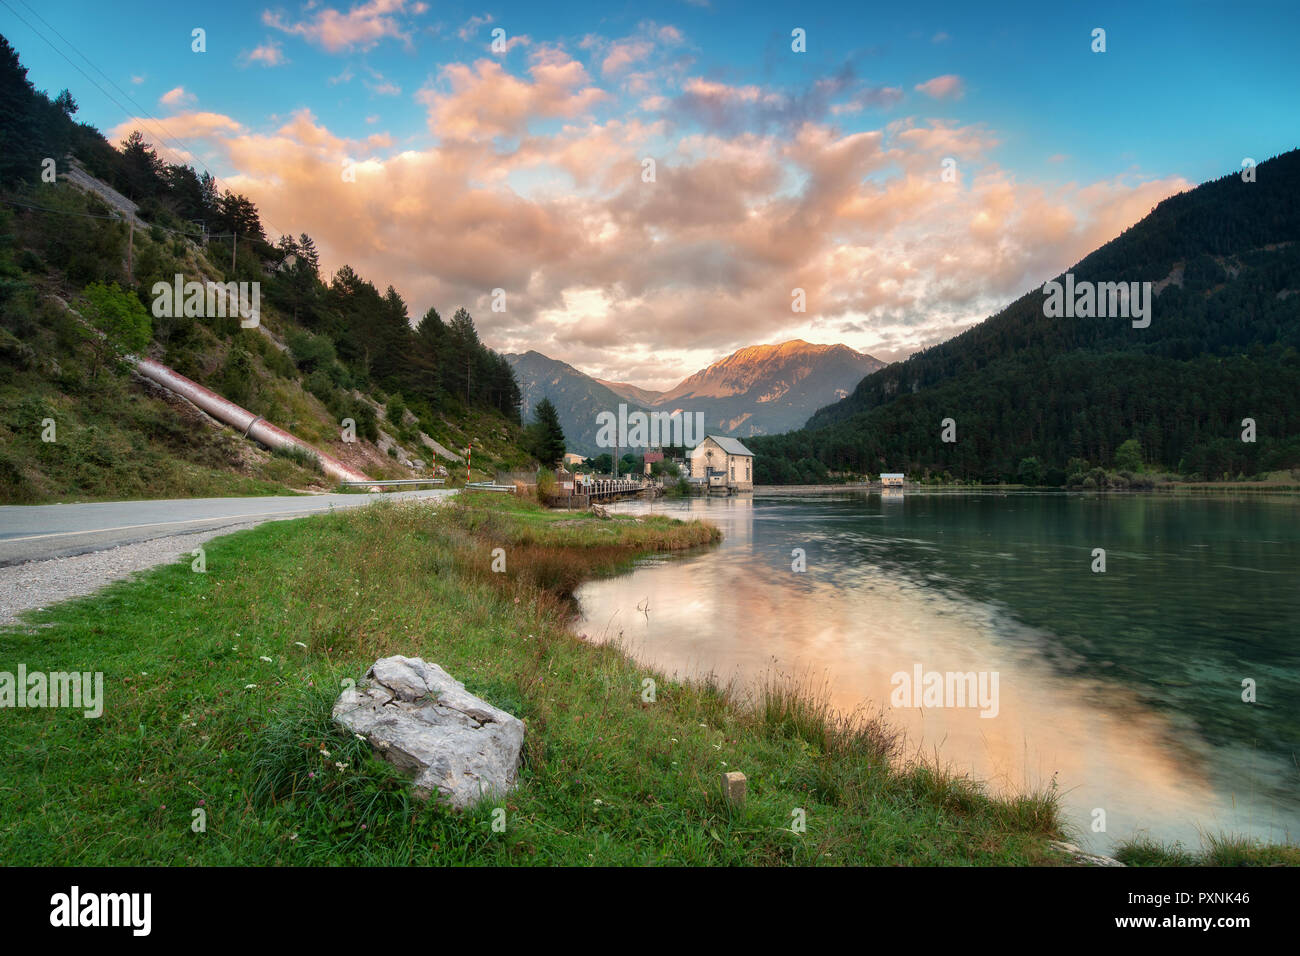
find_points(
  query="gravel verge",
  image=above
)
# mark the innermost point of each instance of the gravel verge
(37, 584)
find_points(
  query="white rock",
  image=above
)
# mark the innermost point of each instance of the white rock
(423, 721)
(1086, 859)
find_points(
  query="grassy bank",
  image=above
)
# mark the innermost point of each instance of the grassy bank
(1215, 850)
(218, 688)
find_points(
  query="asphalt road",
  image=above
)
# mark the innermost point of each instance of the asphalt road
(37, 532)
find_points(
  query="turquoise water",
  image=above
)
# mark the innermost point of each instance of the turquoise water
(1123, 687)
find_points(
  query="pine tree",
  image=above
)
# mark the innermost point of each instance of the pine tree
(547, 437)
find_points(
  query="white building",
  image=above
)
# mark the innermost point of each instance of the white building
(723, 463)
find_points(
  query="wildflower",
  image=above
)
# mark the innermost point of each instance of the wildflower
(359, 736)
(267, 659)
(300, 644)
(250, 687)
(325, 753)
(293, 836)
(312, 775)
(341, 766)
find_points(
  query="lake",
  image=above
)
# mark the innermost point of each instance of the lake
(1126, 685)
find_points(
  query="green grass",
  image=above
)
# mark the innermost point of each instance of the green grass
(607, 778)
(1216, 850)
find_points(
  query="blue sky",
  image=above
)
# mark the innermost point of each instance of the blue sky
(1042, 129)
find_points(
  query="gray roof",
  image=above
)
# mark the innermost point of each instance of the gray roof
(731, 446)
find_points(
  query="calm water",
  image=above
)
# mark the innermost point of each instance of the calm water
(1125, 685)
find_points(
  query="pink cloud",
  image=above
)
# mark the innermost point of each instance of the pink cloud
(177, 98)
(604, 268)
(946, 87)
(486, 100)
(623, 55)
(362, 27)
(268, 54)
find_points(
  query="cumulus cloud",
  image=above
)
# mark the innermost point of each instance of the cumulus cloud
(470, 27)
(268, 54)
(873, 97)
(176, 98)
(362, 27)
(734, 108)
(946, 87)
(484, 100)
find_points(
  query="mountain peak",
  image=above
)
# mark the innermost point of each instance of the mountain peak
(756, 390)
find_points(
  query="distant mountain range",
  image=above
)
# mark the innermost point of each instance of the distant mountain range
(759, 390)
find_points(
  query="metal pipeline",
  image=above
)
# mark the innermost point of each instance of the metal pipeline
(250, 425)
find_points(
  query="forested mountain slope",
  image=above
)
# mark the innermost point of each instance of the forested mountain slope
(326, 349)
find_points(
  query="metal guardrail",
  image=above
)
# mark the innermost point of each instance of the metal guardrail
(394, 481)
(489, 486)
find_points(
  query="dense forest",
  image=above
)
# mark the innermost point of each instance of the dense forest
(1067, 393)
(348, 335)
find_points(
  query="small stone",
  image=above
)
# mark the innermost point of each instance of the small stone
(733, 787)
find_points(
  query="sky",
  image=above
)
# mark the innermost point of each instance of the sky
(908, 172)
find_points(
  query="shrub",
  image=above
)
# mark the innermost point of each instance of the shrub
(301, 457)
(311, 352)
(122, 320)
(547, 486)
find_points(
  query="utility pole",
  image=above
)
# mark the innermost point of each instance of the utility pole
(234, 244)
(130, 244)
